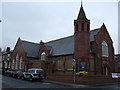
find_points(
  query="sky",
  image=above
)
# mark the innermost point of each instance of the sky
(46, 21)
(119, 27)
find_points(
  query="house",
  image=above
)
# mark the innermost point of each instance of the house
(0, 59)
(92, 51)
(6, 59)
(117, 63)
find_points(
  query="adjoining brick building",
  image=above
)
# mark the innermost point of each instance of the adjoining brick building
(117, 63)
(0, 58)
(7, 59)
(93, 51)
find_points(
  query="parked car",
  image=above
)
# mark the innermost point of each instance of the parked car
(34, 73)
(18, 74)
(9, 72)
(6, 72)
(12, 72)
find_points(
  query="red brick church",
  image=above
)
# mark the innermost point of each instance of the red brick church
(92, 49)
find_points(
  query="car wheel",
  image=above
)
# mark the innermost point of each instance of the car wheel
(40, 80)
(18, 77)
(14, 76)
(31, 79)
(23, 77)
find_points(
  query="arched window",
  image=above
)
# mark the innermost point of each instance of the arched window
(16, 62)
(104, 49)
(76, 27)
(43, 56)
(20, 66)
(13, 63)
(82, 26)
(88, 26)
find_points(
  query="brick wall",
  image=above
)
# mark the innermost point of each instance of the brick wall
(82, 79)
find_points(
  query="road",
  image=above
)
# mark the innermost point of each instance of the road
(9, 82)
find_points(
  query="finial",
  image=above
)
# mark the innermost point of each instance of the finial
(41, 41)
(19, 38)
(81, 2)
(103, 23)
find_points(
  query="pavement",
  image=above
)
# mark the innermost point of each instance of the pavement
(86, 86)
(67, 84)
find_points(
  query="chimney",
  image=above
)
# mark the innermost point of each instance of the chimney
(8, 49)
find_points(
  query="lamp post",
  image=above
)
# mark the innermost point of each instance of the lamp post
(74, 64)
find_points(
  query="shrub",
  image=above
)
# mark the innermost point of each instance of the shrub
(81, 73)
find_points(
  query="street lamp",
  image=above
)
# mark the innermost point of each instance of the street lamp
(74, 65)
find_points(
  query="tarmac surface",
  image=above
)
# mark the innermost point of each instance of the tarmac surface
(9, 82)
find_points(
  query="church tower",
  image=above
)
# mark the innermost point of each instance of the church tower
(81, 41)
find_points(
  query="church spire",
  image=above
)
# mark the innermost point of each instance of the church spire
(81, 14)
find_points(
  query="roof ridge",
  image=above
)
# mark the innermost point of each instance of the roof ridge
(59, 39)
(95, 29)
(29, 42)
(68, 36)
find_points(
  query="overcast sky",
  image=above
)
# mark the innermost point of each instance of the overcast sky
(53, 20)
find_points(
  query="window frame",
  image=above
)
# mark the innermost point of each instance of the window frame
(16, 63)
(43, 56)
(13, 63)
(20, 64)
(58, 64)
(85, 65)
(88, 26)
(71, 65)
(76, 27)
(82, 26)
(105, 47)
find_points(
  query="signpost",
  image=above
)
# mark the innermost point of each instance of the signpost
(74, 63)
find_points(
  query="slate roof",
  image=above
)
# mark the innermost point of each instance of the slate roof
(62, 46)
(57, 47)
(31, 49)
(92, 33)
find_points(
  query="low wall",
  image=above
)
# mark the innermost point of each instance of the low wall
(82, 79)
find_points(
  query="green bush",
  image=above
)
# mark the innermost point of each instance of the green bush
(81, 73)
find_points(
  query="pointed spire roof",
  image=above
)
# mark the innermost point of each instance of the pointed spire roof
(81, 14)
